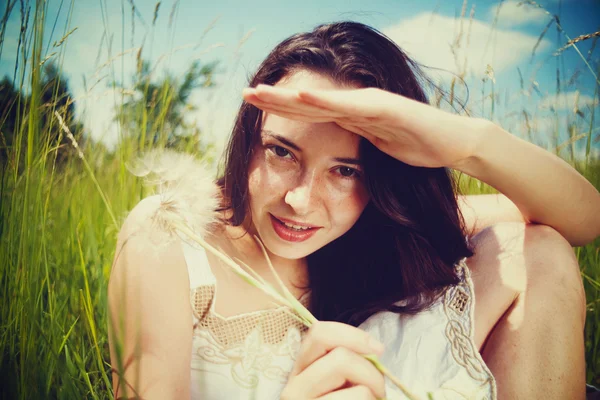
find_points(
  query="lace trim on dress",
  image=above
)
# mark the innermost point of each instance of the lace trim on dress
(233, 331)
(253, 345)
(459, 308)
(250, 360)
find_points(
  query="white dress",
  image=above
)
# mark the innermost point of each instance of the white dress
(249, 356)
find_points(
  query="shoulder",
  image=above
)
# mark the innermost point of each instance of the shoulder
(145, 254)
(148, 295)
(139, 217)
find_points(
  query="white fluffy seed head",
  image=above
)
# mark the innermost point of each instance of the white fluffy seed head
(187, 191)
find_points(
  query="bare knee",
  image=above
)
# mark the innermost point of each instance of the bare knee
(512, 258)
(550, 261)
(538, 342)
(499, 259)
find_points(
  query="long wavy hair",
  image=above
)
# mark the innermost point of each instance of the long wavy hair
(401, 252)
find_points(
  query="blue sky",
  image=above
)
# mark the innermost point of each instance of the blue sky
(423, 28)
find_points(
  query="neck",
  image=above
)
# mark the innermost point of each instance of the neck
(292, 272)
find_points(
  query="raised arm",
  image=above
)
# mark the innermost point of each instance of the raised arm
(150, 313)
(544, 188)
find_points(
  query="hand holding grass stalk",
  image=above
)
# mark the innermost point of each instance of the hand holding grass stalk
(179, 210)
(283, 297)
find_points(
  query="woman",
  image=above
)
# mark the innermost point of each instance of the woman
(341, 168)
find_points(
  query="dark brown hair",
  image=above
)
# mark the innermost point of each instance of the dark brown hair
(406, 242)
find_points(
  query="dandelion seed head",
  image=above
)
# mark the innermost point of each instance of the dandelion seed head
(187, 191)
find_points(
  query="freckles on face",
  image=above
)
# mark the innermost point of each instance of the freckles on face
(308, 175)
(344, 207)
(304, 173)
(266, 185)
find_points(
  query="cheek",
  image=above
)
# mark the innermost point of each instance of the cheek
(347, 210)
(256, 179)
(263, 182)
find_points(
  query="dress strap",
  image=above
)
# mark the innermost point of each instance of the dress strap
(199, 270)
(459, 307)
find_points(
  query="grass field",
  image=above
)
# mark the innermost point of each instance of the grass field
(60, 210)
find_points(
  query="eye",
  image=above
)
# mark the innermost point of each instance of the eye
(348, 172)
(280, 151)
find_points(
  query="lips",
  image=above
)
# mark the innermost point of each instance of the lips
(292, 235)
(291, 222)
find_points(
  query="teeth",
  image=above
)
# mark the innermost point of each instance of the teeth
(296, 227)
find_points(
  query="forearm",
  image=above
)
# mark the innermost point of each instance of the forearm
(545, 188)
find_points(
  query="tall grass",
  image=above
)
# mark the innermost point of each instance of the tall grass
(59, 222)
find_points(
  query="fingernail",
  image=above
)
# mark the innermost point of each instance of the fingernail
(376, 345)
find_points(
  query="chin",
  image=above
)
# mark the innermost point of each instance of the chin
(291, 251)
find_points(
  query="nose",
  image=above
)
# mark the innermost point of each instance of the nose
(302, 196)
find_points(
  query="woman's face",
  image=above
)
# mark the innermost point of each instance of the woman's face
(305, 179)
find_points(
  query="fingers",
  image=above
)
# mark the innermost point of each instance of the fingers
(286, 112)
(324, 336)
(333, 371)
(285, 100)
(287, 103)
(360, 103)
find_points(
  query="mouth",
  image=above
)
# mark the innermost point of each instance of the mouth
(292, 231)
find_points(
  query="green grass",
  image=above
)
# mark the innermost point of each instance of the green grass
(58, 226)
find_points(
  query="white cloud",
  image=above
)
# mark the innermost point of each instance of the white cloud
(216, 106)
(216, 113)
(511, 13)
(87, 56)
(97, 111)
(429, 38)
(552, 131)
(568, 100)
(561, 129)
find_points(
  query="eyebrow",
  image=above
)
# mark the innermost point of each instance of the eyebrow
(292, 145)
(345, 160)
(282, 140)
